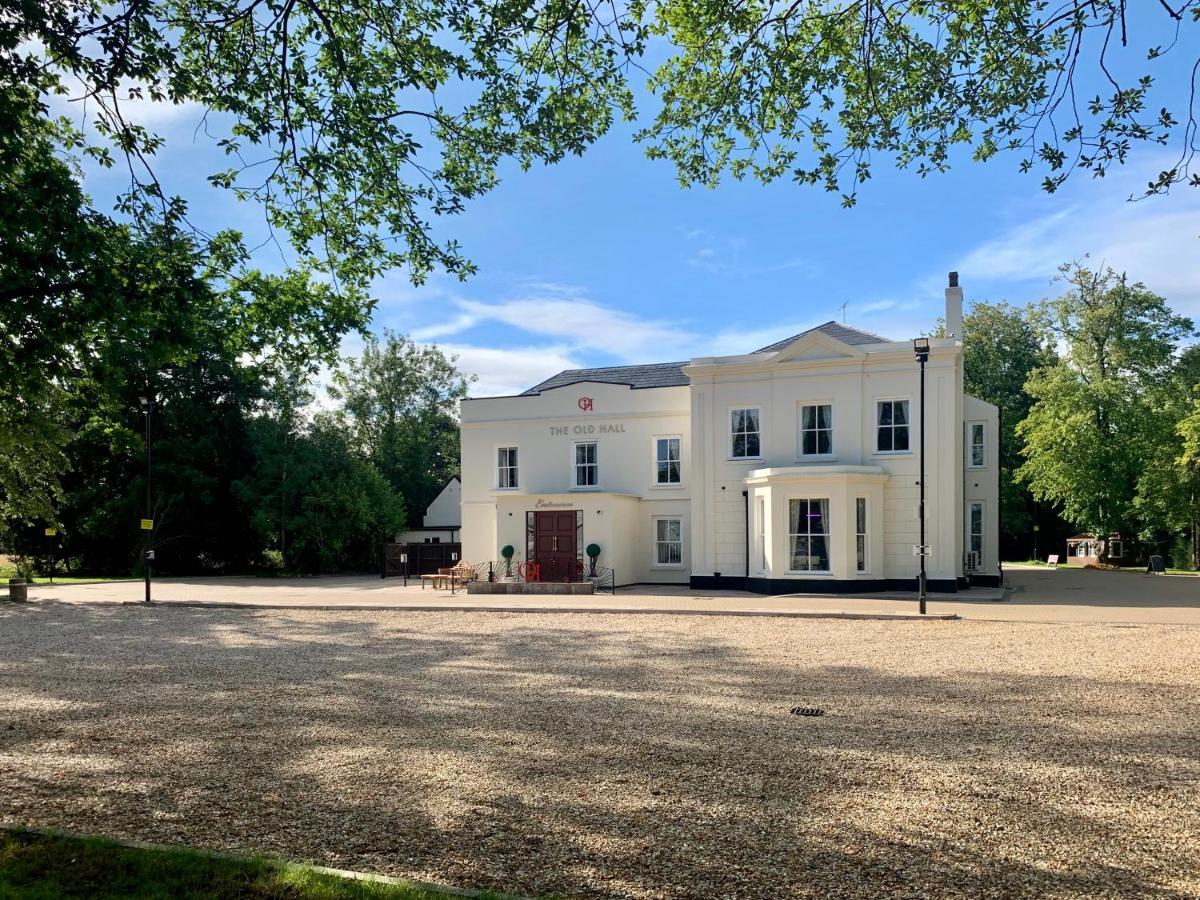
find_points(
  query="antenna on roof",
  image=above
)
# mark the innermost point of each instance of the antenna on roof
(844, 305)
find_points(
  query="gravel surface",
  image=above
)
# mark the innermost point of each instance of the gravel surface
(619, 755)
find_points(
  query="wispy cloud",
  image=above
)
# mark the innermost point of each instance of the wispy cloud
(736, 257)
(502, 372)
(1155, 240)
(566, 315)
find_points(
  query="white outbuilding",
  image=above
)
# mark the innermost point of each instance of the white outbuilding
(792, 468)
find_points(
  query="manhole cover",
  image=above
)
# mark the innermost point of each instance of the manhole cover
(807, 711)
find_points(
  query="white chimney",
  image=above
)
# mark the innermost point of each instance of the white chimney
(954, 309)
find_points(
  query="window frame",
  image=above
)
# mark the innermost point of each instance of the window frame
(654, 460)
(760, 514)
(733, 434)
(514, 466)
(971, 504)
(875, 427)
(827, 534)
(971, 425)
(655, 542)
(576, 465)
(800, 430)
(862, 534)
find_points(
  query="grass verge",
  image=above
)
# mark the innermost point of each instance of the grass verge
(35, 866)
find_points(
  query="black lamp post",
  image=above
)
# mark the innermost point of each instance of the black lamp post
(148, 523)
(921, 350)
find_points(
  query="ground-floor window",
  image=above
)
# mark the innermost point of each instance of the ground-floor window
(762, 534)
(860, 534)
(808, 533)
(668, 542)
(975, 532)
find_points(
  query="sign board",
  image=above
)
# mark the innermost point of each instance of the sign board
(147, 524)
(922, 550)
(1156, 565)
(51, 532)
(1052, 559)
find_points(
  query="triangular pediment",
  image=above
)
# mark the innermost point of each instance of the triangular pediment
(816, 345)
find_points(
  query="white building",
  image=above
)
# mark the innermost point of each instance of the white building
(443, 518)
(792, 468)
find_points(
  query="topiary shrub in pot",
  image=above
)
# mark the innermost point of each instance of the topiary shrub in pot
(507, 552)
(593, 552)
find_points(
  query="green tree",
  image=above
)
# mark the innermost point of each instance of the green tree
(400, 403)
(343, 508)
(1092, 429)
(816, 91)
(1168, 496)
(352, 122)
(1002, 346)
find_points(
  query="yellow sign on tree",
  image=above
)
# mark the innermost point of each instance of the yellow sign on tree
(51, 532)
(147, 524)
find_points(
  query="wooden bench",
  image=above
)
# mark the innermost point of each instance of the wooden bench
(448, 579)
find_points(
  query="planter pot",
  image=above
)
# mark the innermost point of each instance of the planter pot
(18, 590)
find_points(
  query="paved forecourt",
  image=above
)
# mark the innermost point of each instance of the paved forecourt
(1035, 595)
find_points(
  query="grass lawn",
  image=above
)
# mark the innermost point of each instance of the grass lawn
(44, 867)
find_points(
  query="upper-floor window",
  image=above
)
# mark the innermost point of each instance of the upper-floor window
(506, 467)
(587, 467)
(666, 460)
(977, 456)
(891, 426)
(816, 430)
(746, 434)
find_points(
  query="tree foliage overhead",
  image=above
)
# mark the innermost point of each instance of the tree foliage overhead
(355, 123)
(350, 121)
(815, 90)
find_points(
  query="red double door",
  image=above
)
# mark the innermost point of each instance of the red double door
(554, 542)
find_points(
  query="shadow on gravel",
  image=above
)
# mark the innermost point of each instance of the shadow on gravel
(610, 756)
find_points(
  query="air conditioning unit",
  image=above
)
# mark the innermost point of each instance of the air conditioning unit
(974, 561)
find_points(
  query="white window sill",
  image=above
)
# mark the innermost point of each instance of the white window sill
(744, 459)
(673, 568)
(586, 489)
(507, 490)
(892, 453)
(819, 573)
(667, 487)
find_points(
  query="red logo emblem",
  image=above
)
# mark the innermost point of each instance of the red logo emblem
(585, 403)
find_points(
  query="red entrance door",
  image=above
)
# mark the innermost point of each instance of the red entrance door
(554, 543)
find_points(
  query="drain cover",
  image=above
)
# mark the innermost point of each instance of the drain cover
(807, 711)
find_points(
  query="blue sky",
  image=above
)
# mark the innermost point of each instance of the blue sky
(604, 259)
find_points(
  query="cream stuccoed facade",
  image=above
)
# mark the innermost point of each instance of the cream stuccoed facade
(791, 468)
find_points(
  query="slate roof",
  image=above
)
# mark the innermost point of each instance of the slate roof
(671, 374)
(844, 333)
(649, 376)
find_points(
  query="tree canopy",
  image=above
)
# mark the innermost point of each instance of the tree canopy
(1093, 428)
(354, 123)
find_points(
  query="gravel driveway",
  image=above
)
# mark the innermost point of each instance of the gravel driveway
(619, 755)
